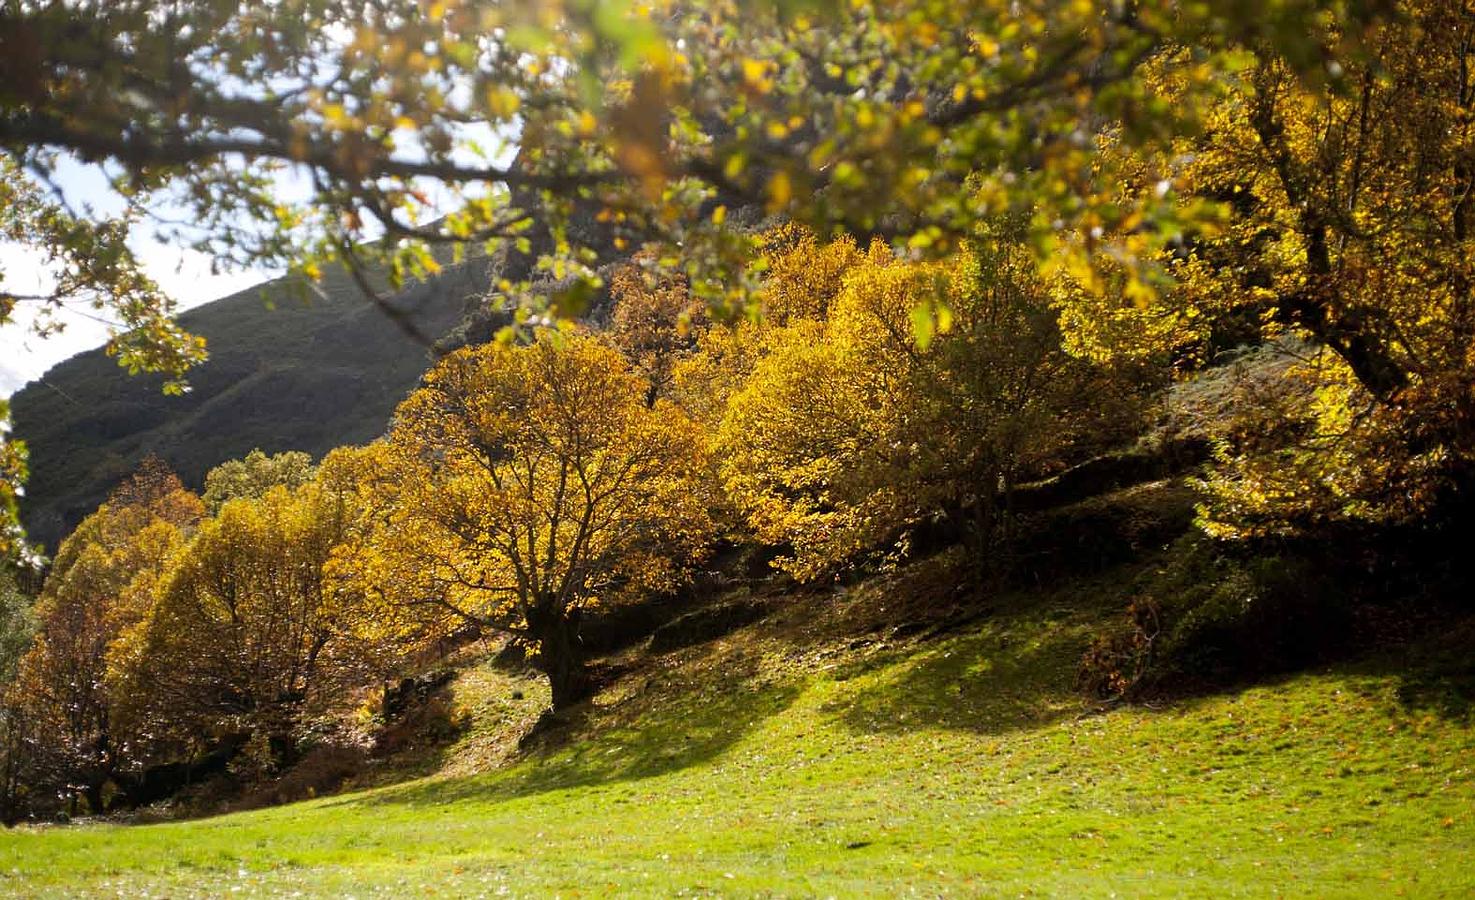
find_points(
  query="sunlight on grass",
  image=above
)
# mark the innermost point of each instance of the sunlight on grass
(963, 766)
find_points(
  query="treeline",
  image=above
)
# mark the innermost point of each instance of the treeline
(525, 484)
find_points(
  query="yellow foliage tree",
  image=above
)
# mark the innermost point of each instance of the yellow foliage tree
(1351, 224)
(656, 323)
(529, 483)
(100, 586)
(931, 389)
(246, 630)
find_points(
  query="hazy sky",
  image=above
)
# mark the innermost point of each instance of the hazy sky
(183, 274)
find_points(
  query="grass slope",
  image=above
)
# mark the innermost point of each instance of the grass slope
(796, 758)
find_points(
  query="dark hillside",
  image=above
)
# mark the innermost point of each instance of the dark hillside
(287, 371)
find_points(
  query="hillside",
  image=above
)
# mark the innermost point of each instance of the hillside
(825, 750)
(287, 371)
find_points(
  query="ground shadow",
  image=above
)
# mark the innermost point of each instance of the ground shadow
(1014, 671)
(1435, 673)
(662, 729)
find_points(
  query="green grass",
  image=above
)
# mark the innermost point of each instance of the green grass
(770, 764)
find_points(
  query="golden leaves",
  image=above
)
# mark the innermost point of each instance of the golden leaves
(527, 476)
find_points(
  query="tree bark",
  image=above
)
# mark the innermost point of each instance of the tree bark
(561, 658)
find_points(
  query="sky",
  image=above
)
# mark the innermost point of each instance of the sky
(181, 273)
(24, 356)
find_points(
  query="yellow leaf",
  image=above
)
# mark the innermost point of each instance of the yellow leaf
(780, 191)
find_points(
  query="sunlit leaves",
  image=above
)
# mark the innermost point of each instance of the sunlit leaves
(885, 392)
(528, 482)
(1345, 222)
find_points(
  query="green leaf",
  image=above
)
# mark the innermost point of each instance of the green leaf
(922, 324)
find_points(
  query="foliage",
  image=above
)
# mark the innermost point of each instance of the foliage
(1317, 451)
(651, 110)
(254, 475)
(91, 261)
(529, 482)
(656, 323)
(1347, 222)
(99, 586)
(854, 428)
(245, 629)
(12, 485)
(802, 275)
(916, 118)
(16, 625)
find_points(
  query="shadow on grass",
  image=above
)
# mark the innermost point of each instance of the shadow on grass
(1010, 672)
(1015, 673)
(1435, 675)
(660, 732)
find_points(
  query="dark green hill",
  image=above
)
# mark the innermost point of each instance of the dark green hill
(287, 371)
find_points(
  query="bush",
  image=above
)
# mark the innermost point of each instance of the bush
(1209, 618)
(324, 769)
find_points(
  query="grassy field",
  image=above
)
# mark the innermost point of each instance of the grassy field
(789, 760)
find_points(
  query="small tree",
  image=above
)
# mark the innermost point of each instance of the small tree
(100, 586)
(656, 323)
(255, 475)
(17, 624)
(531, 483)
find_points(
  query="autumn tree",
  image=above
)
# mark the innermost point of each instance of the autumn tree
(802, 276)
(929, 389)
(530, 483)
(17, 624)
(655, 322)
(242, 636)
(915, 119)
(100, 585)
(1347, 220)
(254, 475)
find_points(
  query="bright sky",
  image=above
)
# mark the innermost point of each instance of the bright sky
(183, 274)
(24, 356)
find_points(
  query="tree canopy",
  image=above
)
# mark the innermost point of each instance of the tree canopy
(300, 133)
(528, 484)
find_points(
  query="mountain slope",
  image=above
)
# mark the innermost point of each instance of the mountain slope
(287, 371)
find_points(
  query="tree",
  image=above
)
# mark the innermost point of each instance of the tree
(17, 625)
(12, 484)
(254, 475)
(852, 430)
(881, 108)
(530, 483)
(245, 631)
(1347, 224)
(914, 119)
(655, 323)
(100, 585)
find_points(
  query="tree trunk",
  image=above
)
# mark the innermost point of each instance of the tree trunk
(561, 658)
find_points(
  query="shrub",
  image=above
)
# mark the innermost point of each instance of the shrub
(1209, 618)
